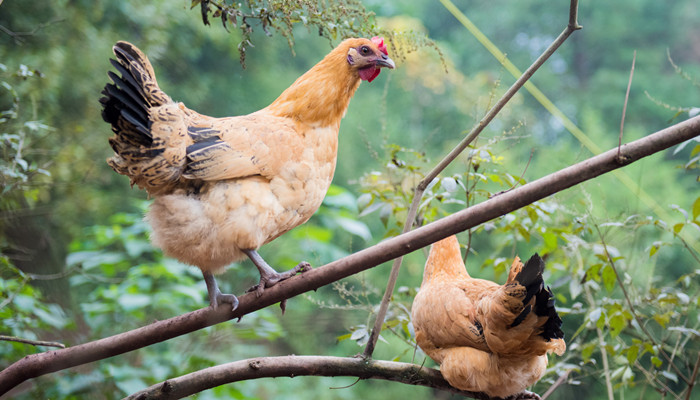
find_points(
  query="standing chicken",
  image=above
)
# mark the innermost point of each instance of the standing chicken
(486, 337)
(223, 187)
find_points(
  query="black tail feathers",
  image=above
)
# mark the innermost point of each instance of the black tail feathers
(544, 306)
(531, 277)
(125, 103)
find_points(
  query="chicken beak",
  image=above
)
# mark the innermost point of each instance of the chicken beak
(385, 61)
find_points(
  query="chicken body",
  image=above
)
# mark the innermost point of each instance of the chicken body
(210, 229)
(486, 337)
(223, 187)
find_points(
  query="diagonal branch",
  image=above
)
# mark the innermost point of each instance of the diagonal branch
(476, 130)
(292, 366)
(40, 364)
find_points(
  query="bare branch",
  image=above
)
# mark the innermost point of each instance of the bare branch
(32, 342)
(693, 378)
(476, 130)
(293, 366)
(627, 96)
(603, 351)
(560, 381)
(39, 364)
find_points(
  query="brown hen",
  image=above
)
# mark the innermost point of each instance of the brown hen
(486, 337)
(223, 187)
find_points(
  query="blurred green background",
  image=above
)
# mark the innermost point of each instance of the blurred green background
(76, 264)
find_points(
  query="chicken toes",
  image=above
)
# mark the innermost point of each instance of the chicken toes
(215, 295)
(524, 395)
(268, 276)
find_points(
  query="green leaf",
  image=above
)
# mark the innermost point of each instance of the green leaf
(670, 375)
(524, 232)
(317, 233)
(595, 315)
(339, 197)
(133, 301)
(343, 337)
(653, 249)
(449, 184)
(696, 208)
(609, 278)
(550, 242)
(363, 201)
(355, 227)
(593, 272)
(628, 375)
(656, 361)
(587, 351)
(662, 319)
(677, 227)
(55, 318)
(632, 354)
(617, 324)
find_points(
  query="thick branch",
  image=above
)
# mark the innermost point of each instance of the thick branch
(292, 366)
(36, 365)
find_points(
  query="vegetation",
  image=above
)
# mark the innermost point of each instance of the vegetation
(622, 251)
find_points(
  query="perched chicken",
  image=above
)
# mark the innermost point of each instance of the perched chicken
(223, 187)
(486, 337)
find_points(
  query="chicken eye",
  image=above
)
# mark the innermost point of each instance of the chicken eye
(364, 50)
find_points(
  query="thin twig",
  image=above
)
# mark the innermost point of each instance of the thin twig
(693, 377)
(476, 130)
(19, 36)
(603, 350)
(624, 107)
(653, 378)
(32, 342)
(560, 381)
(513, 186)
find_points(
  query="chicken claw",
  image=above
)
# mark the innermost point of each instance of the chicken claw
(268, 276)
(524, 395)
(215, 295)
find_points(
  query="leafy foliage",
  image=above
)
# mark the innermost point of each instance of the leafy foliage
(331, 19)
(21, 176)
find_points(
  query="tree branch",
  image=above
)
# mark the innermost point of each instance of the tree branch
(292, 366)
(32, 342)
(39, 364)
(693, 377)
(560, 381)
(476, 130)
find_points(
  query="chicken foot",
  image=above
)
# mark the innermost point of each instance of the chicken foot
(524, 395)
(215, 295)
(268, 276)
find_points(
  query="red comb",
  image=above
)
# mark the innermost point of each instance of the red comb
(379, 41)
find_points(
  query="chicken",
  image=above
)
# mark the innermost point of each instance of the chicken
(223, 187)
(486, 337)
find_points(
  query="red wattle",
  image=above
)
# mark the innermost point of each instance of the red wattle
(368, 74)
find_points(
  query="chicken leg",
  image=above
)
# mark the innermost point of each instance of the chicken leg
(215, 295)
(268, 276)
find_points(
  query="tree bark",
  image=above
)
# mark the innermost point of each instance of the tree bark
(292, 366)
(36, 365)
